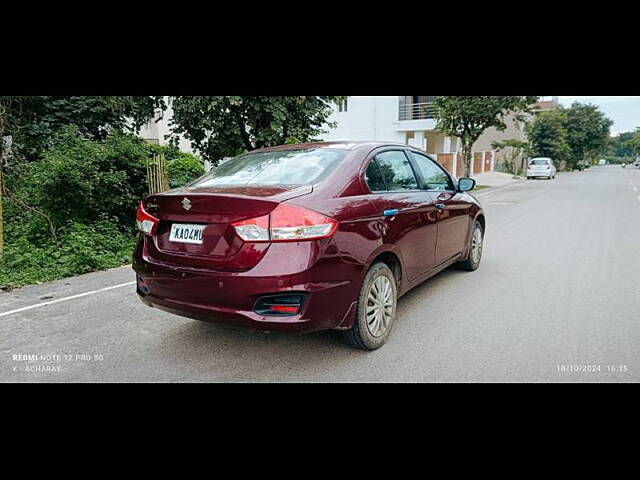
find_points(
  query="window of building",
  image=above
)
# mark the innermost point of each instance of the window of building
(343, 105)
(410, 136)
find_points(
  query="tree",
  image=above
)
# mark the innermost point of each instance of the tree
(634, 142)
(226, 126)
(587, 131)
(82, 180)
(621, 146)
(512, 150)
(547, 135)
(467, 117)
(33, 121)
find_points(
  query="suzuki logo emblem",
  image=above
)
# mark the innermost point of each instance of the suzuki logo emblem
(186, 204)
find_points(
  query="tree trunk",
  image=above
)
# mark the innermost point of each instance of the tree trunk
(466, 155)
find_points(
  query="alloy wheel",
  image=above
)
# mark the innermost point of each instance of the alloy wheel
(379, 306)
(476, 246)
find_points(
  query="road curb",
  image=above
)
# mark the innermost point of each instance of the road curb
(497, 189)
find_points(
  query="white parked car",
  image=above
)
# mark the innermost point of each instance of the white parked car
(541, 167)
(637, 164)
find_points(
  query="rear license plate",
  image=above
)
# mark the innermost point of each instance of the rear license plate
(186, 233)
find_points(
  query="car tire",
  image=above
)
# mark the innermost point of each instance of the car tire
(373, 325)
(476, 246)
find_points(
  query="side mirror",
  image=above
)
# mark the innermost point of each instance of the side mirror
(466, 184)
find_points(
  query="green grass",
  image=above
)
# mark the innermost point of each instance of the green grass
(80, 249)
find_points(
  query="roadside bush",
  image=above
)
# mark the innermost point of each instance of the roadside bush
(82, 180)
(613, 160)
(74, 211)
(80, 249)
(184, 169)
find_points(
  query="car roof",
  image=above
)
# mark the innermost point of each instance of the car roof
(344, 145)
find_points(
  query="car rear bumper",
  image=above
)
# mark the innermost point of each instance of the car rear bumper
(540, 173)
(230, 297)
(241, 318)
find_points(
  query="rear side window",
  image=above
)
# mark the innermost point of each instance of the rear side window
(396, 169)
(434, 177)
(373, 177)
(293, 167)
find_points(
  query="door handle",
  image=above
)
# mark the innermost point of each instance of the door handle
(440, 206)
(391, 213)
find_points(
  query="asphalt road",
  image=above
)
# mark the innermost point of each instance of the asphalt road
(556, 299)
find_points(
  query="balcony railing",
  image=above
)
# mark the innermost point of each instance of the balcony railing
(417, 111)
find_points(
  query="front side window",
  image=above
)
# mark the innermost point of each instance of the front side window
(397, 171)
(434, 177)
(290, 167)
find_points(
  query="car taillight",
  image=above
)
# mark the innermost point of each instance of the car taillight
(253, 229)
(289, 223)
(147, 223)
(286, 224)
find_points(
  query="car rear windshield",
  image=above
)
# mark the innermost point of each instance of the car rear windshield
(542, 161)
(292, 167)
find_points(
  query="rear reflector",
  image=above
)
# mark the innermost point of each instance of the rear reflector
(280, 305)
(143, 288)
(286, 223)
(284, 309)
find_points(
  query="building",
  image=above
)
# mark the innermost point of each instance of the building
(407, 120)
(410, 120)
(158, 130)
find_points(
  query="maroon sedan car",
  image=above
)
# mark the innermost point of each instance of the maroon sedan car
(307, 237)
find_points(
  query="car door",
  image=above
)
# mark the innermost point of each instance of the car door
(408, 212)
(453, 218)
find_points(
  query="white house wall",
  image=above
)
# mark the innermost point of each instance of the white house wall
(367, 118)
(515, 131)
(157, 131)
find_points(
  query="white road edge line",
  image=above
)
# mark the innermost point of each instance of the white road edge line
(73, 297)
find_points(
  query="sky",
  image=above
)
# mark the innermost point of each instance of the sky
(624, 111)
